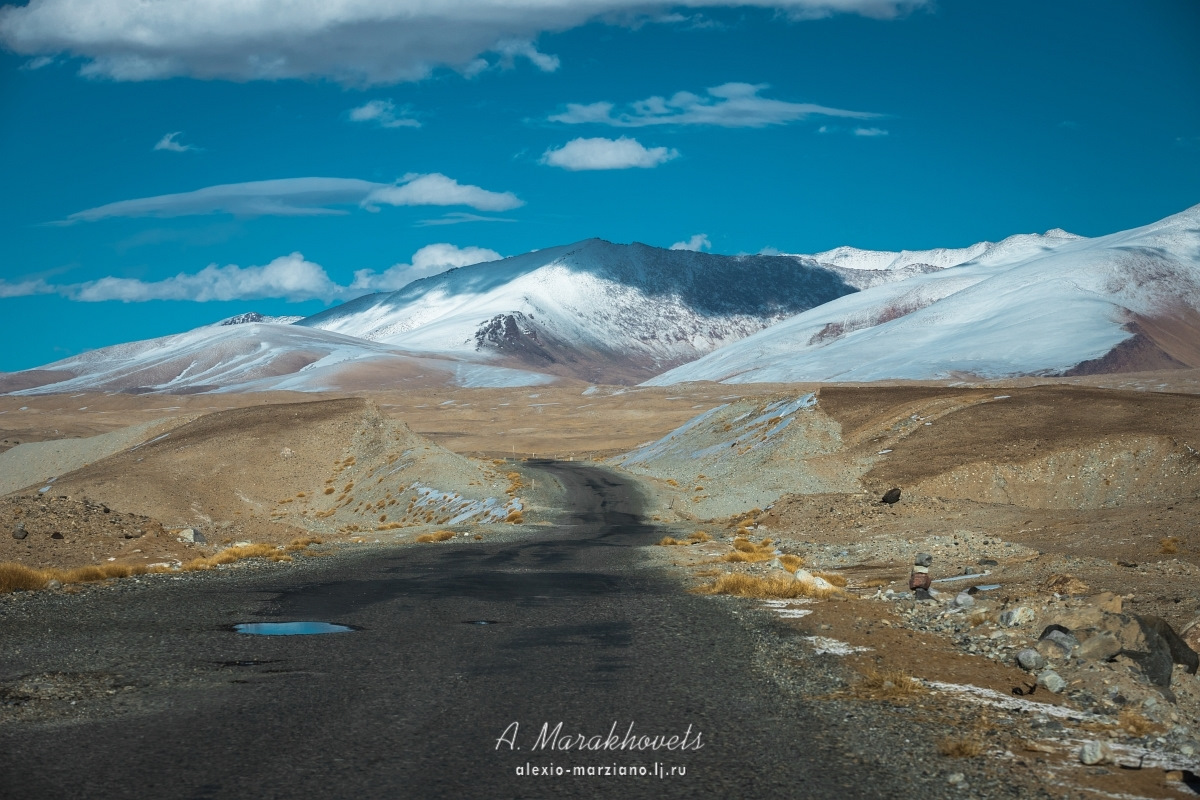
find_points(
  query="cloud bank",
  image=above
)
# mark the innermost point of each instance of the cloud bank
(304, 197)
(599, 153)
(291, 277)
(431, 259)
(361, 42)
(730, 105)
(696, 244)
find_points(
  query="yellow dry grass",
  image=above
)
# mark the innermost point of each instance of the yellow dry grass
(515, 518)
(668, 541)
(747, 552)
(698, 537)
(18, 577)
(438, 536)
(1135, 724)
(1169, 546)
(960, 747)
(304, 542)
(792, 563)
(836, 578)
(233, 554)
(741, 585)
(887, 684)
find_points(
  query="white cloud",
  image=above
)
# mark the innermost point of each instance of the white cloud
(289, 277)
(623, 153)
(169, 142)
(458, 217)
(697, 243)
(25, 288)
(730, 105)
(870, 132)
(429, 260)
(293, 197)
(361, 42)
(436, 189)
(382, 112)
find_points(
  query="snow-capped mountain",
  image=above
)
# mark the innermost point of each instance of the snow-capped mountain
(592, 310)
(1015, 247)
(1052, 304)
(254, 356)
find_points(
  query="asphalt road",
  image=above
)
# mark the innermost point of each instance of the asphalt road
(419, 702)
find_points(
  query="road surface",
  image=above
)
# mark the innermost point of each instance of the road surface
(421, 701)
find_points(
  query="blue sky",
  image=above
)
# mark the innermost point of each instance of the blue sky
(162, 172)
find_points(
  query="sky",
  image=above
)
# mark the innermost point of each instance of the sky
(168, 165)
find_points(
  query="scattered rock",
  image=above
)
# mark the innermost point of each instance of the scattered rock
(956, 778)
(923, 560)
(988, 562)
(1016, 616)
(19, 531)
(964, 600)
(891, 496)
(192, 536)
(1057, 642)
(1031, 659)
(1093, 753)
(780, 575)
(1100, 647)
(56, 535)
(286, 452)
(53, 583)
(1051, 681)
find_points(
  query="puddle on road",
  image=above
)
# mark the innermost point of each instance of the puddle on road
(290, 628)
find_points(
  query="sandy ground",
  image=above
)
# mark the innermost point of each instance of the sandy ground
(1066, 496)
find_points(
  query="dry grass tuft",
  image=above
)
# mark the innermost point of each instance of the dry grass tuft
(668, 541)
(836, 578)
(960, 747)
(747, 552)
(888, 684)
(439, 536)
(18, 578)
(1169, 546)
(329, 490)
(875, 583)
(698, 537)
(741, 585)
(1135, 724)
(233, 554)
(515, 518)
(303, 542)
(708, 573)
(792, 563)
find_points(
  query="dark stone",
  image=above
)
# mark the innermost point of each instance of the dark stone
(19, 531)
(56, 535)
(891, 496)
(1155, 662)
(923, 560)
(1181, 651)
(988, 562)
(922, 594)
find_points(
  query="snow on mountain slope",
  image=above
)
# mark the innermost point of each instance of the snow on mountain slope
(1014, 247)
(593, 310)
(256, 357)
(1030, 305)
